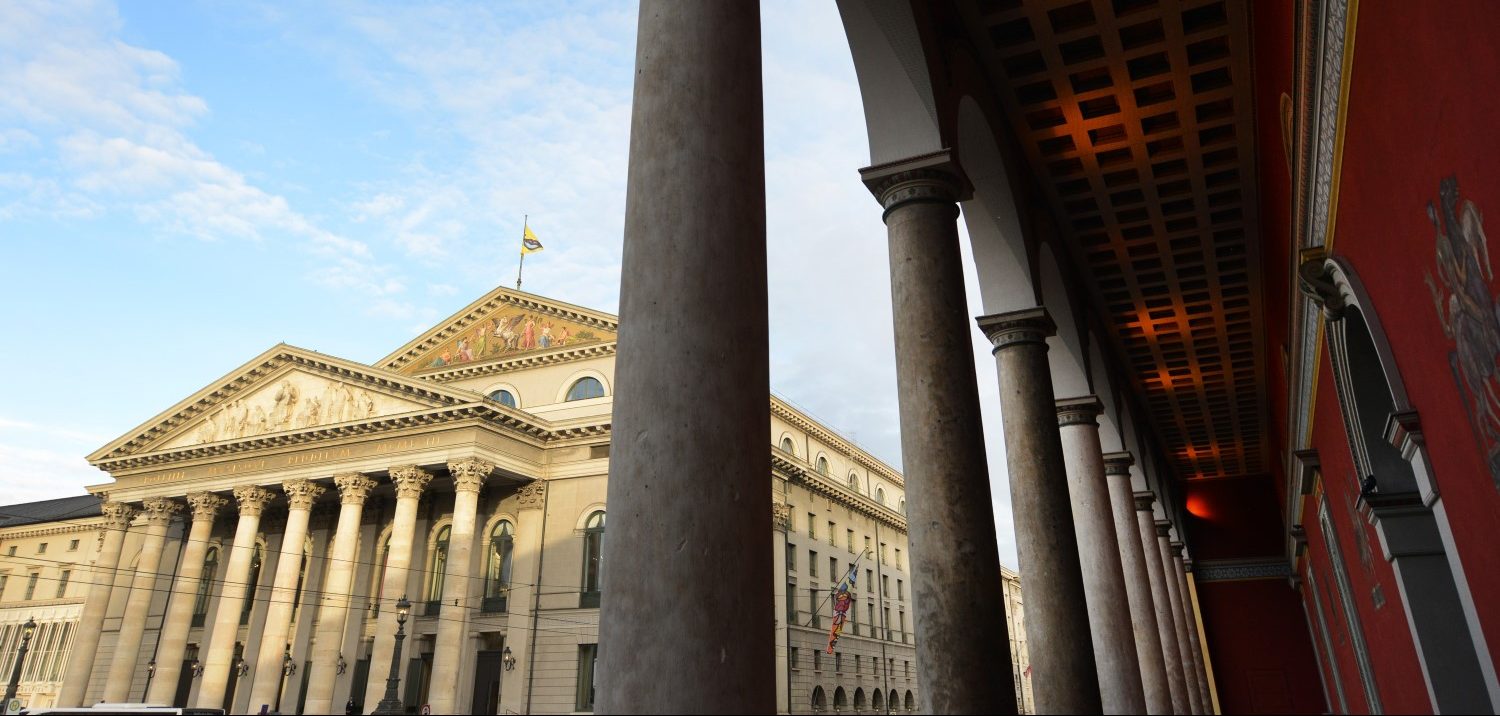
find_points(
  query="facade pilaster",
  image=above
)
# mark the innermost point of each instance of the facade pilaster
(521, 598)
(172, 645)
(159, 512)
(1179, 626)
(1147, 637)
(1057, 621)
(1166, 624)
(333, 600)
(117, 518)
(450, 649)
(252, 501)
(1099, 556)
(1190, 622)
(274, 642)
(410, 481)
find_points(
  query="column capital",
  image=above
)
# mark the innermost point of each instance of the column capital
(1083, 410)
(927, 178)
(117, 515)
(532, 495)
(205, 505)
(354, 487)
(160, 510)
(781, 516)
(252, 499)
(302, 493)
(410, 481)
(1144, 500)
(1163, 528)
(1176, 548)
(469, 473)
(1031, 325)
(1118, 463)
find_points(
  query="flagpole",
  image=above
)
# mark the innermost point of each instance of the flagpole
(524, 225)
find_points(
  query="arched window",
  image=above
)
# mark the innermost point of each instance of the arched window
(854, 482)
(911, 702)
(593, 559)
(787, 447)
(877, 702)
(503, 397)
(880, 495)
(438, 572)
(586, 388)
(902, 507)
(840, 699)
(205, 584)
(385, 558)
(497, 567)
(819, 703)
(859, 700)
(253, 582)
(301, 577)
(822, 465)
(895, 702)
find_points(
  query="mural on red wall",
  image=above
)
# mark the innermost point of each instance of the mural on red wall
(1469, 315)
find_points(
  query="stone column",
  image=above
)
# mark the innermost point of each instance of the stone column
(1057, 621)
(220, 653)
(172, 645)
(693, 318)
(410, 481)
(453, 629)
(117, 517)
(1190, 621)
(300, 496)
(127, 655)
(1099, 555)
(1137, 585)
(333, 601)
(1190, 680)
(1166, 625)
(950, 514)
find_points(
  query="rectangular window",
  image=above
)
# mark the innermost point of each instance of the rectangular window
(871, 609)
(791, 602)
(812, 525)
(62, 583)
(816, 620)
(791, 517)
(812, 563)
(11, 552)
(908, 668)
(901, 624)
(791, 557)
(867, 543)
(885, 586)
(31, 586)
(838, 662)
(833, 569)
(887, 624)
(898, 559)
(817, 660)
(831, 533)
(882, 553)
(793, 657)
(73, 546)
(870, 579)
(588, 659)
(900, 590)
(857, 666)
(851, 539)
(41, 548)
(3, 579)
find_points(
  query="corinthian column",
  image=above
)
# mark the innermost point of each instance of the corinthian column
(1137, 585)
(300, 496)
(410, 481)
(942, 438)
(693, 323)
(1166, 625)
(172, 645)
(1057, 621)
(1099, 555)
(453, 629)
(216, 664)
(127, 657)
(333, 603)
(1190, 679)
(117, 517)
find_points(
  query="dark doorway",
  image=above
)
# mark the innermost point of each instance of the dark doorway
(418, 679)
(234, 677)
(487, 669)
(361, 681)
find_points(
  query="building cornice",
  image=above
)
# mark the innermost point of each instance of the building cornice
(825, 486)
(786, 412)
(471, 314)
(74, 525)
(526, 360)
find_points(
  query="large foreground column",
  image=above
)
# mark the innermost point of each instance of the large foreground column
(236, 588)
(1190, 680)
(117, 517)
(1137, 585)
(1166, 625)
(410, 481)
(172, 646)
(1057, 621)
(274, 644)
(453, 629)
(1099, 555)
(956, 582)
(687, 482)
(333, 601)
(1190, 619)
(127, 657)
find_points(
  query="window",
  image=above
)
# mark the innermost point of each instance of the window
(588, 662)
(438, 572)
(31, 586)
(858, 695)
(3, 579)
(833, 568)
(871, 608)
(882, 553)
(831, 533)
(210, 568)
(787, 447)
(867, 543)
(822, 465)
(887, 624)
(812, 606)
(854, 482)
(794, 657)
(851, 540)
(497, 567)
(503, 397)
(791, 557)
(378, 592)
(812, 563)
(870, 580)
(11, 552)
(900, 590)
(301, 579)
(838, 664)
(593, 560)
(898, 559)
(901, 506)
(791, 602)
(62, 583)
(901, 623)
(586, 388)
(885, 586)
(41, 548)
(908, 694)
(880, 495)
(817, 659)
(812, 525)
(73, 545)
(254, 581)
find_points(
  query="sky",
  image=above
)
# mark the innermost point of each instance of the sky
(183, 185)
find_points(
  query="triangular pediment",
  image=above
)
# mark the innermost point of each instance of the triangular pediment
(502, 325)
(284, 390)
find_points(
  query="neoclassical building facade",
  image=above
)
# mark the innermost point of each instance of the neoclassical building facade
(256, 537)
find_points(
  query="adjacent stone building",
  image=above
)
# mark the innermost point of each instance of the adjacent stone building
(1015, 623)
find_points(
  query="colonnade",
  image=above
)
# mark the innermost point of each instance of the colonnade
(217, 653)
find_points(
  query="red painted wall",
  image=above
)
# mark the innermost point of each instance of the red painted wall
(1263, 662)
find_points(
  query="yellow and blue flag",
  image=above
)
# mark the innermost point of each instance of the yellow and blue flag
(530, 244)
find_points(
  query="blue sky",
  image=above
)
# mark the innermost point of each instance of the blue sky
(184, 184)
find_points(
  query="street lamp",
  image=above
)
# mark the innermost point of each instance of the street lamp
(508, 659)
(288, 668)
(391, 704)
(27, 630)
(341, 666)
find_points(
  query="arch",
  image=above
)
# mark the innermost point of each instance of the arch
(880, 495)
(854, 482)
(497, 566)
(515, 394)
(788, 445)
(894, 699)
(911, 702)
(1065, 350)
(211, 558)
(573, 380)
(437, 564)
(877, 701)
(377, 572)
(822, 464)
(889, 64)
(819, 703)
(588, 512)
(593, 558)
(1001, 260)
(859, 700)
(840, 699)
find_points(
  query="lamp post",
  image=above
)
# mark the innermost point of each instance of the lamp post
(288, 669)
(508, 659)
(27, 630)
(391, 704)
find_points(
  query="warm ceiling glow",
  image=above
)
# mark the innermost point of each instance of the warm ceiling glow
(1198, 507)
